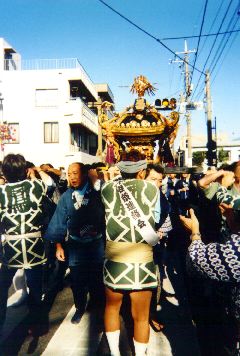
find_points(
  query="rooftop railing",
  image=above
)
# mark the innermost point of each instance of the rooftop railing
(47, 64)
(42, 64)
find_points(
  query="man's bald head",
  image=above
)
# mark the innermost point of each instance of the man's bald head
(77, 174)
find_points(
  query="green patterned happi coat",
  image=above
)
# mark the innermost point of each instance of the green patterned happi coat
(21, 213)
(119, 228)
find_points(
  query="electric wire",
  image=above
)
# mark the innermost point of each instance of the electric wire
(222, 44)
(212, 26)
(147, 33)
(196, 36)
(171, 76)
(221, 49)
(173, 94)
(213, 45)
(200, 92)
(206, 37)
(199, 39)
(227, 52)
(218, 58)
(183, 37)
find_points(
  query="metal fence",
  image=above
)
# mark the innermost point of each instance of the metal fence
(43, 64)
(46, 64)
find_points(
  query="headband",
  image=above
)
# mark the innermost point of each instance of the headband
(132, 167)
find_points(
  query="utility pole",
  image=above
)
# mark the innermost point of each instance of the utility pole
(211, 144)
(187, 88)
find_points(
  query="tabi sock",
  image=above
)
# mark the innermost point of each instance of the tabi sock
(140, 348)
(113, 342)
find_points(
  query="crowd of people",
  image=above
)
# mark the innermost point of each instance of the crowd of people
(113, 227)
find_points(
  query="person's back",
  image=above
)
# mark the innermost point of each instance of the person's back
(130, 234)
(21, 206)
(117, 220)
(21, 213)
(21, 217)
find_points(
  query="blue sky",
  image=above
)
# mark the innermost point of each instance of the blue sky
(113, 51)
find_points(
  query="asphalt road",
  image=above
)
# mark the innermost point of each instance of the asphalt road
(87, 338)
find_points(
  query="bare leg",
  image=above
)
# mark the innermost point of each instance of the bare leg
(112, 309)
(140, 306)
(112, 320)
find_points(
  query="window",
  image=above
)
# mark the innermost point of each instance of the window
(51, 132)
(80, 137)
(93, 144)
(46, 97)
(13, 132)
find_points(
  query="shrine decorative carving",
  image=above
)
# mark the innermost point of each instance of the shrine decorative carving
(140, 126)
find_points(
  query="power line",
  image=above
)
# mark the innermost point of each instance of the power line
(170, 77)
(223, 42)
(206, 37)
(214, 42)
(200, 92)
(212, 25)
(199, 39)
(196, 36)
(212, 70)
(227, 52)
(220, 50)
(218, 58)
(220, 54)
(146, 33)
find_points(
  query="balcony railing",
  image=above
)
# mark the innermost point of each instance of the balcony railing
(79, 103)
(42, 64)
(90, 114)
(48, 64)
(79, 113)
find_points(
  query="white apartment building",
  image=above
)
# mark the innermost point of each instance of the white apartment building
(45, 102)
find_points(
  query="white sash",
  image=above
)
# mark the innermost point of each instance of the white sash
(136, 215)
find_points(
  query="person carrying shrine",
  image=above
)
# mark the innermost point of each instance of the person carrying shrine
(78, 222)
(22, 247)
(130, 234)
